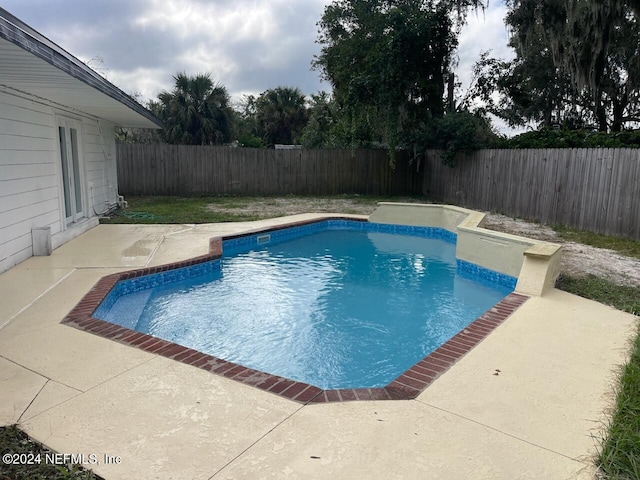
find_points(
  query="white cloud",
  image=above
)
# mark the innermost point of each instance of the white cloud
(225, 24)
(247, 45)
(147, 82)
(483, 32)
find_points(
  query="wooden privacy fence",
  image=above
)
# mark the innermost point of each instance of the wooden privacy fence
(589, 189)
(159, 169)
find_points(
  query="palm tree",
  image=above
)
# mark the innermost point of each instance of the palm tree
(281, 115)
(195, 112)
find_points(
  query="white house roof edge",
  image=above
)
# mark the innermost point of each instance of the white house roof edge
(22, 35)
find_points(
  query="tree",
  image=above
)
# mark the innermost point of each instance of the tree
(527, 89)
(195, 112)
(322, 118)
(325, 128)
(584, 41)
(388, 62)
(247, 123)
(459, 132)
(620, 85)
(281, 115)
(536, 87)
(595, 42)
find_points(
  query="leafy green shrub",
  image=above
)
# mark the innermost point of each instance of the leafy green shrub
(459, 132)
(250, 141)
(551, 138)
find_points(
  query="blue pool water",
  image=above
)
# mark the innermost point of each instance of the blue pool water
(336, 308)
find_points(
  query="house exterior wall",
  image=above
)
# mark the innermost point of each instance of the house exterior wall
(100, 161)
(30, 173)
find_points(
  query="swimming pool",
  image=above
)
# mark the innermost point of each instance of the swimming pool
(368, 302)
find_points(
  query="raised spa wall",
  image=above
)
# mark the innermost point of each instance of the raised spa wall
(535, 263)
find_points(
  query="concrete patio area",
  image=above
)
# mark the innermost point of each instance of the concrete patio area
(556, 359)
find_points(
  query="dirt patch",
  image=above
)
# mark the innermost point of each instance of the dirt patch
(577, 259)
(278, 206)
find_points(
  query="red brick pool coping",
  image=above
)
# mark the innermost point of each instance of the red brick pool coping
(405, 387)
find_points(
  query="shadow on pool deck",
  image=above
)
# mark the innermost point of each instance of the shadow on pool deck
(522, 403)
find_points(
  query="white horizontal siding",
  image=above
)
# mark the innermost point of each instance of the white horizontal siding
(99, 141)
(17, 250)
(23, 228)
(28, 157)
(29, 184)
(23, 185)
(108, 131)
(18, 200)
(22, 129)
(94, 166)
(17, 109)
(31, 211)
(28, 143)
(29, 172)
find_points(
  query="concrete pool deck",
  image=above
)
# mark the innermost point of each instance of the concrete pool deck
(555, 360)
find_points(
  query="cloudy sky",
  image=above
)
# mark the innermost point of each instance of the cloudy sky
(247, 45)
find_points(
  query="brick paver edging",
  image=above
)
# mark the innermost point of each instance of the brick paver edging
(407, 386)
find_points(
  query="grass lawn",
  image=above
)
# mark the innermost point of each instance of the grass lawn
(629, 248)
(619, 451)
(178, 210)
(32, 461)
(621, 297)
(240, 209)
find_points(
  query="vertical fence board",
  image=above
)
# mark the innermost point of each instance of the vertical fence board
(200, 170)
(591, 189)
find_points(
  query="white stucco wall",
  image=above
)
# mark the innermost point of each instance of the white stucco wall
(30, 173)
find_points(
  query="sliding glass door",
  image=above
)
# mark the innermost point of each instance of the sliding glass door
(72, 170)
